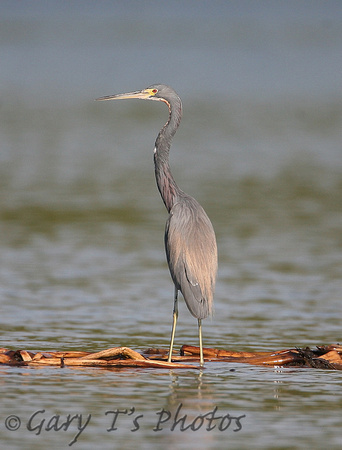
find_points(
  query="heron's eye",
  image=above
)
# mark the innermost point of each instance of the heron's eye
(154, 91)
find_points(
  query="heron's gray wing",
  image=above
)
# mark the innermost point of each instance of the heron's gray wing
(195, 299)
(192, 255)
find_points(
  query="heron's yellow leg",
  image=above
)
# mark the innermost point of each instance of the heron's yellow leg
(200, 342)
(175, 317)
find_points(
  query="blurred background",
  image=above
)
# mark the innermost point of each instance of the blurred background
(259, 146)
(82, 262)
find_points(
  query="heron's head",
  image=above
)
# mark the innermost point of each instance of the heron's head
(158, 92)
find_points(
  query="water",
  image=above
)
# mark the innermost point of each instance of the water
(81, 221)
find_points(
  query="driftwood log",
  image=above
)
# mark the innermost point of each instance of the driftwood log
(112, 357)
(322, 357)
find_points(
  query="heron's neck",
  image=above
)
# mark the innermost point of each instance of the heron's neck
(167, 186)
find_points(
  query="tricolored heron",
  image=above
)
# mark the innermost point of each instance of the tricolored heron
(190, 241)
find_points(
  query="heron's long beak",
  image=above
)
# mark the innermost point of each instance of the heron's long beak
(144, 94)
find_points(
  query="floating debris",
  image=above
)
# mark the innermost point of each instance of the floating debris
(322, 357)
(112, 357)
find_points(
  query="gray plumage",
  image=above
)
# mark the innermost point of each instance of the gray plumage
(191, 254)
